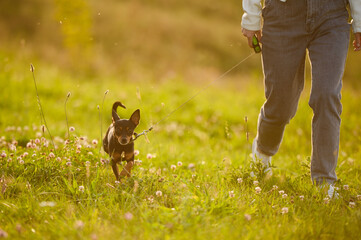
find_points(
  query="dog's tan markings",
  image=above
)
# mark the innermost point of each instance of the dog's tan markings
(117, 156)
(128, 156)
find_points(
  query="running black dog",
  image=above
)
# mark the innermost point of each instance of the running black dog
(118, 141)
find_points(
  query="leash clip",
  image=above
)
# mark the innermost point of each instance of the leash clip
(136, 135)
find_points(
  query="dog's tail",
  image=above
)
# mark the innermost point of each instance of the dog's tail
(114, 110)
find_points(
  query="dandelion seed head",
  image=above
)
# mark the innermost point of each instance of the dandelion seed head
(158, 193)
(81, 188)
(3, 234)
(72, 129)
(284, 195)
(302, 197)
(231, 194)
(12, 147)
(281, 192)
(352, 204)
(95, 142)
(247, 217)
(128, 216)
(258, 190)
(179, 164)
(47, 204)
(284, 210)
(149, 156)
(255, 183)
(79, 224)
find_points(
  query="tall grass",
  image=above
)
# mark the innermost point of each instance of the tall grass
(191, 181)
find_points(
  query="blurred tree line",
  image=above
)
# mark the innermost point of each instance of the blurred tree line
(131, 38)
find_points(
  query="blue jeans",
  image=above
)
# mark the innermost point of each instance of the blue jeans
(290, 29)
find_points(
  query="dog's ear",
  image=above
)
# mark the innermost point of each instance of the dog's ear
(115, 116)
(135, 117)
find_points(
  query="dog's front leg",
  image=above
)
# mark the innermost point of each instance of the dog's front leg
(115, 169)
(127, 169)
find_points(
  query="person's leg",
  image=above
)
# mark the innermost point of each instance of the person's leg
(284, 43)
(328, 52)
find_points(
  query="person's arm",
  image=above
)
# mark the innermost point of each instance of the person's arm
(251, 19)
(355, 7)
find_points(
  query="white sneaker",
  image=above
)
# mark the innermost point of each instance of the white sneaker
(265, 159)
(331, 192)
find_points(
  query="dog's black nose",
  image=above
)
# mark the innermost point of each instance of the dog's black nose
(124, 141)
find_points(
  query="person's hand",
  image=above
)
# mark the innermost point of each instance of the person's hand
(357, 42)
(249, 35)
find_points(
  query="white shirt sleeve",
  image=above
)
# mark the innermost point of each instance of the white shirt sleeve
(355, 6)
(251, 19)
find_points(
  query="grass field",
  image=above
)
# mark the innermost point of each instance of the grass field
(192, 180)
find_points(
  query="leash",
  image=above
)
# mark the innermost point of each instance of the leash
(145, 132)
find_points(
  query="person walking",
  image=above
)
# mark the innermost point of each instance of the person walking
(290, 29)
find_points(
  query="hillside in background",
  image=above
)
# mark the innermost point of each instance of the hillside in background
(156, 38)
(132, 39)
